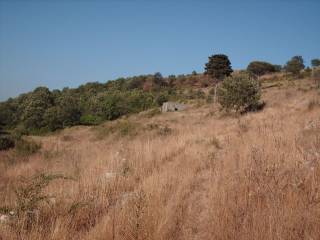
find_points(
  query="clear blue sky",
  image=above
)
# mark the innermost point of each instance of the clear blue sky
(59, 43)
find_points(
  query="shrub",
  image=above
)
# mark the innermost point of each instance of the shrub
(19, 131)
(295, 65)
(259, 68)
(6, 142)
(315, 62)
(90, 120)
(195, 94)
(30, 191)
(160, 99)
(30, 196)
(137, 101)
(113, 105)
(209, 99)
(27, 147)
(239, 93)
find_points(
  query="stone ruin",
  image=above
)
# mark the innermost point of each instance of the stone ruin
(172, 107)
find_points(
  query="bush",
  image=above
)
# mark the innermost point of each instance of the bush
(30, 197)
(240, 93)
(19, 131)
(6, 142)
(259, 68)
(315, 62)
(30, 191)
(90, 120)
(160, 99)
(27, 147)
(295, 65)
(195, 94)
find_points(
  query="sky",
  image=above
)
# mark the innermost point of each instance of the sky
(66, 43)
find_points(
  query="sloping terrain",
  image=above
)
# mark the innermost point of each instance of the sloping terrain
(194, 174)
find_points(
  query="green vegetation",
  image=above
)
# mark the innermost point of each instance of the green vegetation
(259, 68)
(295, 65)
(42, 110)
(6, 142)
(240, 93)
(218, 67)
(315, 62)
(90, 120)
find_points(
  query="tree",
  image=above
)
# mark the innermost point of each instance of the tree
(110, 105)
(171, 80)
(295, 65)
(9, 115)
(277, 68)
(218, 67)
(315, 62)
(136, 82)
(69, 110)
(259, 68)
(240, 93)
(35, 106)
(52, 118)
(158, 81)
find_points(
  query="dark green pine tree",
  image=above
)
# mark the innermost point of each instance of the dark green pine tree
(218, 67)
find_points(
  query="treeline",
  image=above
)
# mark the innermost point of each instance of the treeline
(43, 110)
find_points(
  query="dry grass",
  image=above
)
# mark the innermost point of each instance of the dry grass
(255, 176)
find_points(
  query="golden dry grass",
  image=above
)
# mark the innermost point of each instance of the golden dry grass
(196, 174)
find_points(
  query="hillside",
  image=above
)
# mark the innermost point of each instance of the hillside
(194, 174)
